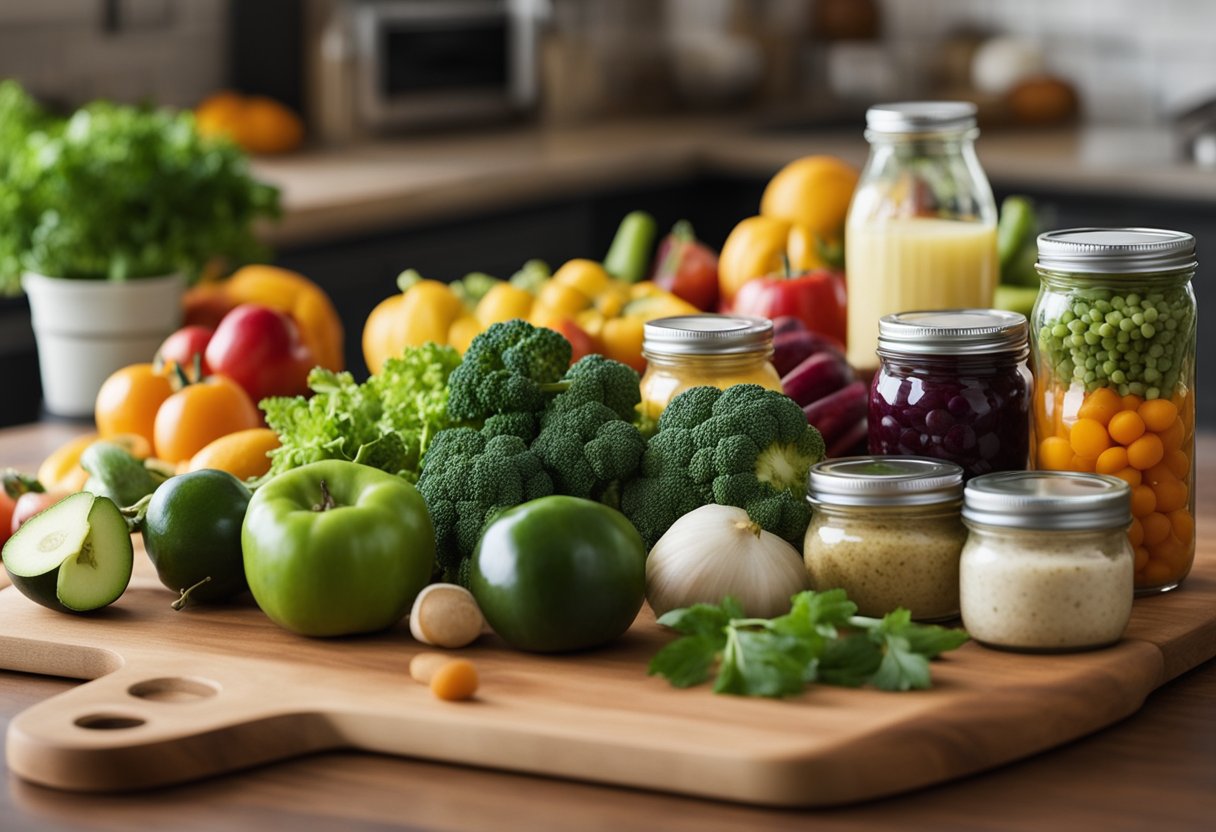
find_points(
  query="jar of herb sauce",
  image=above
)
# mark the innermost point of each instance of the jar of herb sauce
(708, 350)
(954, 385)
(1113, 341)
(887, 530)
(1047, 566)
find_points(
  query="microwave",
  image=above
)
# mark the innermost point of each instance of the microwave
(433, 63)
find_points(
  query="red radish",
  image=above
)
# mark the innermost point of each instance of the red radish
(31, 503)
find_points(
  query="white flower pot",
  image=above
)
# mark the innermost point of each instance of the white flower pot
(87, 329)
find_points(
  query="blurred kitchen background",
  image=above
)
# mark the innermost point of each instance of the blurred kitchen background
(460, 135)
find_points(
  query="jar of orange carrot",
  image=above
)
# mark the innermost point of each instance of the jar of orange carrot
(1113, 344)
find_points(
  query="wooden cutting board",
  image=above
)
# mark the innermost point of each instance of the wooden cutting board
(178, 696)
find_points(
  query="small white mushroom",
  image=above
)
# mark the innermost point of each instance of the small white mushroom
(446, 615)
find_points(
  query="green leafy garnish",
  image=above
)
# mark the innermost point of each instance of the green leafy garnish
(821, 639)
(386, 422)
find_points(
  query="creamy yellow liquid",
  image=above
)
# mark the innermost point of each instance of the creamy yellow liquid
(904, 265)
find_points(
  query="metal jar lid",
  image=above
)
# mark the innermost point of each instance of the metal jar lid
(1048, 501)
(1116, 250)
(884, 481)
(707, 335)
(953, 332)
(921, 117)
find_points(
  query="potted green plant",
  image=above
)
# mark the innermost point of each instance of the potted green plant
(108, 214)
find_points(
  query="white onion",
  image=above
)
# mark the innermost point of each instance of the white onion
(715, 551)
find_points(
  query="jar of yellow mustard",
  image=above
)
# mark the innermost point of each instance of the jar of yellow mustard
(704, 351)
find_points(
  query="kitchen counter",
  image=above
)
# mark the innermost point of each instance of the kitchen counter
(1156, 768)
(330, 193)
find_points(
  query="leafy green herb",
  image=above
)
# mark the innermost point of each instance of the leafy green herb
(386, 422)
(119, 192)
(820, 639)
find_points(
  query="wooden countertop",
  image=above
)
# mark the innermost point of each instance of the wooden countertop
(1157, 767)
(330, 193)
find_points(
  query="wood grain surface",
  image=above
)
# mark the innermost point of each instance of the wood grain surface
(183, 696)
(1156, 768)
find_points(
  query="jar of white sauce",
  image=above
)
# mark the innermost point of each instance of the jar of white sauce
(1047, 566)
(887, 530)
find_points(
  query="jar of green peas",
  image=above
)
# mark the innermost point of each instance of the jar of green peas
(1113, 346)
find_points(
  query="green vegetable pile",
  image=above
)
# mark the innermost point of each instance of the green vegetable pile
(387, 422)
(748, 447)
(1126, 341)
(821, 639)
(545, 429)
(120, 192)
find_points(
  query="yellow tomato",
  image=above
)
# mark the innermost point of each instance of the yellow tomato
(198, 414)
(588, 276)
(244, 454)
(502, 303)
(464, 330)
(128, 400)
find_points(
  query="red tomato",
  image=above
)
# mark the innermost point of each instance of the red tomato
(817, 298)
(7, 504)
(580, 342)
(687, 268)
(261, 350)
(181, 347)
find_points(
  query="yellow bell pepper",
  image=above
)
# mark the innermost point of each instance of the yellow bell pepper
(754, 249)
(587, 276)
(503, 303)
(425, 312)
(464, 329)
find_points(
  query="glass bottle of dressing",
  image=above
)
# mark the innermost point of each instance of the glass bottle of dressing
(921, 229)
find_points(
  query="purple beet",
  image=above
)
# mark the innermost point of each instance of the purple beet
(818, 376)
(836, 414)
(787, 323)
(852, 442)
(791, 348)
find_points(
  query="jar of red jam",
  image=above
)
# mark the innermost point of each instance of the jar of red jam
(953, 384)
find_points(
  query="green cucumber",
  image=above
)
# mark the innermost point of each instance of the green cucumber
(629, 255)
(116, 474)
(75, 556)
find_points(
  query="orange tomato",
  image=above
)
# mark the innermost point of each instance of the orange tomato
(128, 400)
(200, 413)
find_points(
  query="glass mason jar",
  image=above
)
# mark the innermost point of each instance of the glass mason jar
(887, 531)
(1047, 566)
(921, 229)
(1113, 339)
(953, 385)
(704, 351)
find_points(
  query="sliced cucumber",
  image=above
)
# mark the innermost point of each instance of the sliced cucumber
(76, 556)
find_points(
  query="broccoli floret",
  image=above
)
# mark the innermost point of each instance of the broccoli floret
(522, 425)
(611, 383)
(586, 448)
(467, 479)
(748, 447)
(507, 369)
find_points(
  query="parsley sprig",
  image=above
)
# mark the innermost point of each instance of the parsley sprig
(821, 639)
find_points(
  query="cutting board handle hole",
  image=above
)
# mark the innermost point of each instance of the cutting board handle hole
(174, 689)
(108, 722)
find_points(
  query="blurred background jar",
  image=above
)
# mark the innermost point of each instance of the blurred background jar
(704, 351)
(921, 229)
(954, 385)
(1113, 339)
